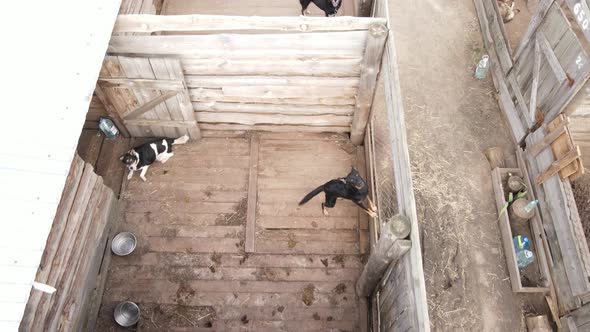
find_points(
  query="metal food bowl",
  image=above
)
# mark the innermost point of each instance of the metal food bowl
(126, 313)
(123, 244)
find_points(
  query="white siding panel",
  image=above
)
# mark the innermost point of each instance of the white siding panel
(50, 68)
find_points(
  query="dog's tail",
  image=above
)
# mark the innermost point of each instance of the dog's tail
(181, 140)
(311, 194)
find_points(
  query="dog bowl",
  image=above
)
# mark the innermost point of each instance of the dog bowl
(126, 313)
(123, 244)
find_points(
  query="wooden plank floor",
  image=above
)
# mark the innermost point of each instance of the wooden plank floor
(190, 271)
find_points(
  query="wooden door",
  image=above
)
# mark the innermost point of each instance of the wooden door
(148, 95)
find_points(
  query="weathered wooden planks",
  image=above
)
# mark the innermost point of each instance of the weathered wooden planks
(191, 219)
(196, 23)
(70, 260)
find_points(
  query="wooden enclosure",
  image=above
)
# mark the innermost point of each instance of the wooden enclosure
(535, 83)
(274, 106)
(239, 73)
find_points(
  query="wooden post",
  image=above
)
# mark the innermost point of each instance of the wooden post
(252, 194)
(368, 81)
(390, 247)
(495, 157)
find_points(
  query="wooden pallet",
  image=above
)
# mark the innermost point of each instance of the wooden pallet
(568, 162)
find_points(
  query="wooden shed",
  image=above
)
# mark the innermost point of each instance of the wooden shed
(274, 105)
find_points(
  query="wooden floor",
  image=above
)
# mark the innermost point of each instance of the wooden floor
(190, 271)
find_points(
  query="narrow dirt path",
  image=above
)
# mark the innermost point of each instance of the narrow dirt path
(451, 119)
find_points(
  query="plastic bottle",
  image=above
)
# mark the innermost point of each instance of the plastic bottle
(108, 128)
(529, 207)
(521, 242)
(524, 258)
(482, 67)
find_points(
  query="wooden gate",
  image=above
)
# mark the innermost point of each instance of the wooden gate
(148, 95)
(550, 68)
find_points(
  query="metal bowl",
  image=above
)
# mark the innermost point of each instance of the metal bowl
(123, 244)
(126, 313)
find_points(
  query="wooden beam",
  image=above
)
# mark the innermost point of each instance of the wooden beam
(548, 139)
(368, 82)
(133, 114)
(252, 194)
(143, 83)
(557, 165)
(208, 23)
(558, 71)
(111, 110)
(221, 107)
(536, 20)
(518, 93)
(280, 119)
(349, 43)
(161, 123)
(390, 247)
(535, 83)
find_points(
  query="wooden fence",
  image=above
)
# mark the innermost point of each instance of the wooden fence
(399, 303)
(244, 73)
(73, 259)
(535, 83)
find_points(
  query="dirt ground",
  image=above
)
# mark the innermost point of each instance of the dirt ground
(582, 195)
(451, 118)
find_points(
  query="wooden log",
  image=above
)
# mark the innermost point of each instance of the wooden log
(274, 128)
(218, 81)
(64, 260)
(57, 230)
(221, 107)
(313, 66)
(278, 119)
(390, 247)
(348, 43)
(495, 157)
(252, 194)
(161, 123)
(368, 82)
(208, 23)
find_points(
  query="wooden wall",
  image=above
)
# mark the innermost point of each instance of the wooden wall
(579, 114)
(408, 310)
(258, 8)
(265, 73)
(73, 254)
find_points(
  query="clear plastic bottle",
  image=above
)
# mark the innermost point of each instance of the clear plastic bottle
(529, 207)
(108, 128)
(524, 258)
(482, 67)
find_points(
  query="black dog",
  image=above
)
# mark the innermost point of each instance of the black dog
(352, 187)
(141, 157)
(330, 7)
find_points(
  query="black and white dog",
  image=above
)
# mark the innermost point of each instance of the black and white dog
(352, 187)
(141, 157)
(330, 7)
